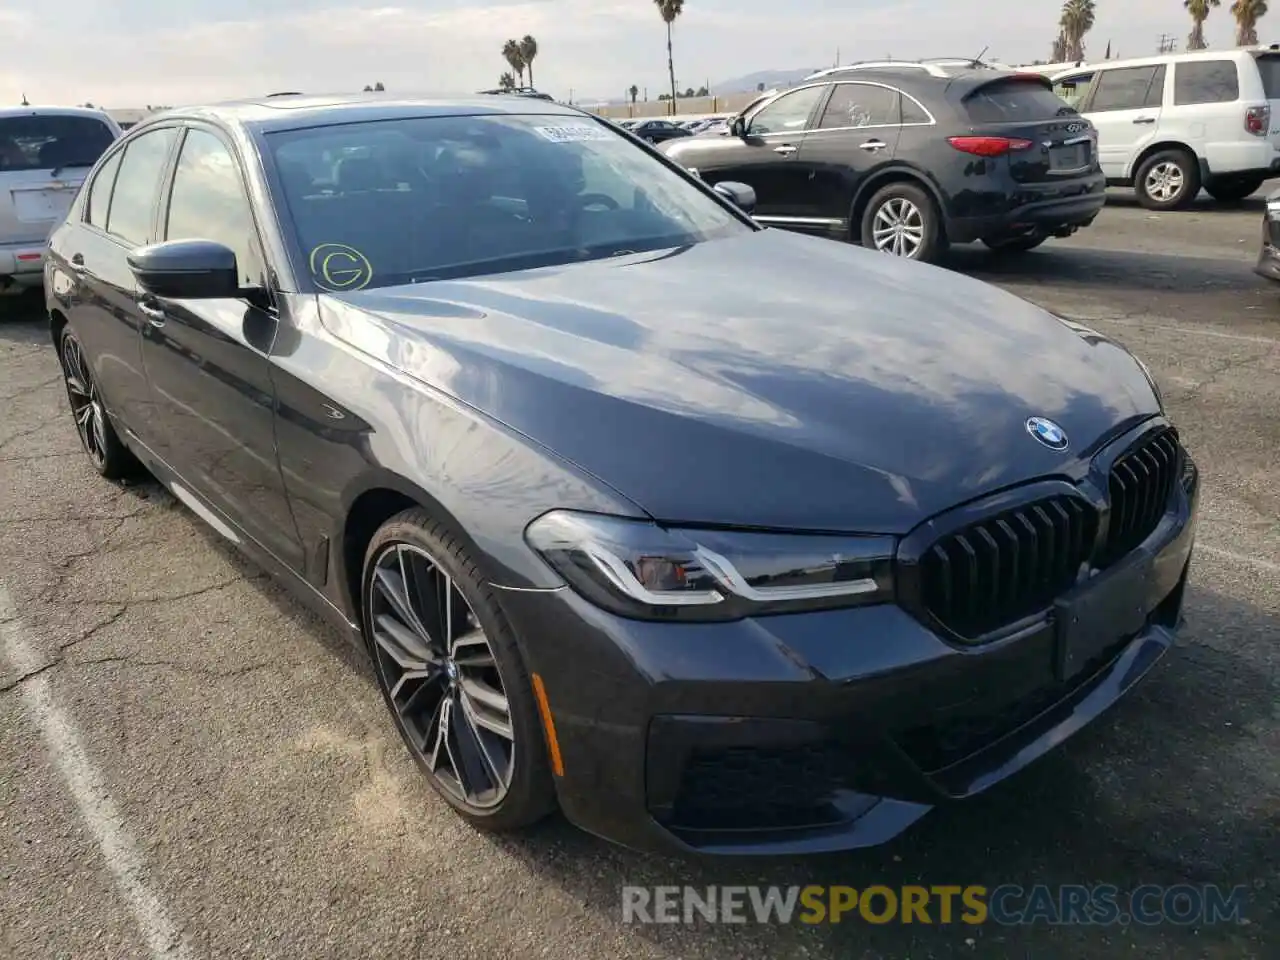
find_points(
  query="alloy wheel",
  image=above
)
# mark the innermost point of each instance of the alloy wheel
(441, 676)
(86, 406)
(898, 228)
(1164, 181)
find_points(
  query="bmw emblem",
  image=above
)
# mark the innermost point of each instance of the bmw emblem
(1048, 433)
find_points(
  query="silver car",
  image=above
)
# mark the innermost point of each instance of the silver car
(45, 154)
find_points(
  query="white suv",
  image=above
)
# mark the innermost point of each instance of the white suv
(1171, 124)
(45, 154)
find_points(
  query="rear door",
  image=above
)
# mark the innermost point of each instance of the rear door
(1051, 140)
(857, 134)
(1269, 71)
(44, 159)
(1206, 109)
(1125, 105)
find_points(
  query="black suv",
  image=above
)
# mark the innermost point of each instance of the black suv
(907, 157)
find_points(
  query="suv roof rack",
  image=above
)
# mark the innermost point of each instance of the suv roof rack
(934, 66)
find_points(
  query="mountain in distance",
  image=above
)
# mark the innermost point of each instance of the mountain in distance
(770, 78)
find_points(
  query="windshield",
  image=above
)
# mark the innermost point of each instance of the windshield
(409, 200)
(50, 142)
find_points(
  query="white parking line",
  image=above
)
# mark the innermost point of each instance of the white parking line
(1261, 564)
(88, 790)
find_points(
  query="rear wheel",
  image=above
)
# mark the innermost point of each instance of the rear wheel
(449, 670)
(1232, 189)
(109, 456)
(903, 220)
(1167, 180)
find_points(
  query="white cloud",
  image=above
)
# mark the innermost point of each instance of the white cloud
(592, 48)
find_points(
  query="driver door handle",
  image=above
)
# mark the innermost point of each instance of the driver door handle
(1144, 119)
(155, 315)
(872, 145)
(785, 149)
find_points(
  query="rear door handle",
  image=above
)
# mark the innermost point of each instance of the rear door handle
(872, 145)
(1144, 120)
(786, 149)
(155, 315)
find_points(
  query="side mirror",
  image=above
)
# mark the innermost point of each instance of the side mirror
(738, 126)
(186, 270)
(739, 194)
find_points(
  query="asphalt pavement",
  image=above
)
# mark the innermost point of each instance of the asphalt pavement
(192, 766)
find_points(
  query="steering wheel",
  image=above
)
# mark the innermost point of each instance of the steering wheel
(588, 200)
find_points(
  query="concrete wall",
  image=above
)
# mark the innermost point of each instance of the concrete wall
(693, 106)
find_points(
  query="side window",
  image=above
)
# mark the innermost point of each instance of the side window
(1155, 92)
(209, 202)
(137, 183)
(1073, 88)
(100, 191)
(787, 114)
(912, 112)
(860, 105)
(1205, 81)
(1129, 88)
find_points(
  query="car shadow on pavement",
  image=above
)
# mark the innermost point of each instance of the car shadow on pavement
(1162, 790)
(22, 318)
(1202, 204)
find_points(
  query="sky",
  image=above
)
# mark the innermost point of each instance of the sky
(130, 53)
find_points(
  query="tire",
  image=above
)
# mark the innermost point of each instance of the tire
(904, 205)
(1173, 175)
(1232, 189)
(457, 689)
(108, 454)
(1015, 244)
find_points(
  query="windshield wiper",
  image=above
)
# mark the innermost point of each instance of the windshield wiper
(74, 163)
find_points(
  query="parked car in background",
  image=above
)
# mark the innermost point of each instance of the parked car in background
(1269, 257)
(45, 153)
(659, 131)
(1171, 124)
(909, 157)
(773, 562)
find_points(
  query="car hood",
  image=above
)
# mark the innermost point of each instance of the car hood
(768, 380)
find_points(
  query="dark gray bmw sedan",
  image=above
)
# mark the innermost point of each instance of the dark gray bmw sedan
(717, 538)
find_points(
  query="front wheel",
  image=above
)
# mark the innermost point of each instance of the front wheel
(1167, 180)
(903, 220)
(450, 672)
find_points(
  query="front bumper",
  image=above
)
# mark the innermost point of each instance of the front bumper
(819, 731)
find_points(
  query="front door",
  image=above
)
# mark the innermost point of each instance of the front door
(207, 361)
(856, 135)
(1125, 106)
(767, 155)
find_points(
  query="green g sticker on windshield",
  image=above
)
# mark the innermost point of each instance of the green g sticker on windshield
(339, 268)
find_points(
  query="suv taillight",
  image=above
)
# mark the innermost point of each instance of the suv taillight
(988, 146)
(1257, 120)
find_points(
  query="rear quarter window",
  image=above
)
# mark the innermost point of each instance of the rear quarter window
(1205, 81)
(1269, 70)
(1015, 100)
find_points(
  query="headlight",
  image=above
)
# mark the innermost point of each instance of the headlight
(638, 569)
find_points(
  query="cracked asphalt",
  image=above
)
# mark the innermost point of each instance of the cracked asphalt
(269, 810)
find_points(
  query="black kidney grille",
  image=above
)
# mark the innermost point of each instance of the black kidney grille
(1140, 485)
(1007, 566)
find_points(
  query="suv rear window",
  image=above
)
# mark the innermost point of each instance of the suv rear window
(45, 142)
(1269, 68)
(1015, 100)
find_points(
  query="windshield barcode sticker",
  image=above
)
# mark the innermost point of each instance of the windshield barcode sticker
(574, 132)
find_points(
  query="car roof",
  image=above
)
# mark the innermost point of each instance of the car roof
(952, 80)
(298, 111)
(1237, 54)
(39, 111)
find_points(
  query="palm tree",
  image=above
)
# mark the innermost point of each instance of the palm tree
(670, 9)
(528, 50)
(1199, 10)
(511, 53)
(1077, 20)
(1059, 53)
(635, 92)
(507, 81)
(1247, 14)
